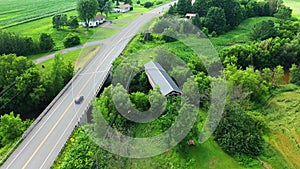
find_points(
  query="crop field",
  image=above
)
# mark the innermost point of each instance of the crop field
(14, 12)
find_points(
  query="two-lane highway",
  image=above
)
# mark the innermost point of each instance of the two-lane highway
(42, 145)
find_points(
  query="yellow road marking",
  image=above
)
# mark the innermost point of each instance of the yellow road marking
(44, 140)
(60, 118)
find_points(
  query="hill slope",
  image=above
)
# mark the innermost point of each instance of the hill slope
(282, 115)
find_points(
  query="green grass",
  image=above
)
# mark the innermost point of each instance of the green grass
(122, 16)
(78, 58)
(120, 24)
(140, 9)
(35, 28)
(15, 12)
(238, 35)
(295, 5)
(283, 114)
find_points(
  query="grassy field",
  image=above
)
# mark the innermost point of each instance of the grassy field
(238, 35)
(283, 114)
(15, 12)
(35, 28)
(295, 5)
(78, 58)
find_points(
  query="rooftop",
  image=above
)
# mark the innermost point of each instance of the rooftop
(159, 77)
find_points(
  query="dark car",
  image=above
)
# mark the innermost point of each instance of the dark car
(79, 99)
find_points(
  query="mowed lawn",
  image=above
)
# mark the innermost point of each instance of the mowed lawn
(295, 5)
(13, 12)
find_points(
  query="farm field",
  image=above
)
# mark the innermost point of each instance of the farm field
(15, 12)
(35, 28)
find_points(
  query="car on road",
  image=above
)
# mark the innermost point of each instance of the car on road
(79, 99)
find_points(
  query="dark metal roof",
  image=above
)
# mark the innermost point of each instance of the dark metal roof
(158, 76)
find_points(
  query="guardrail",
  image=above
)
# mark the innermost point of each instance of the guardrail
(80, 121)
(40, 117)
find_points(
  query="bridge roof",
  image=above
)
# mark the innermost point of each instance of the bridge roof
(159, 77)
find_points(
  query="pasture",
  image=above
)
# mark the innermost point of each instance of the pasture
(14, 12)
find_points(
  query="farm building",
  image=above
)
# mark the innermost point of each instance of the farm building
(122, 8)
(96, 21)
(159, 77)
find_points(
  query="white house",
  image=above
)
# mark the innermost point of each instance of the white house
(122, 8)
(96, 21)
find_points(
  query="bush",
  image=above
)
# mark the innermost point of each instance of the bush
(46, 42)
(158, 2)
(138, 2)
(71, 40)
(214, 34)
(148, 4)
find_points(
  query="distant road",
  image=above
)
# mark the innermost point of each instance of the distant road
(42, 145)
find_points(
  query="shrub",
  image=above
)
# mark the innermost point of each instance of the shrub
(46, 42)
(138, 2)
(214, 34)
(158, 2)
(71, 40)
(148, 4)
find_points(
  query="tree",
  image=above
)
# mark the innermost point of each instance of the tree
(274, 5)
(59, 20)
(172, 10)
(46, 42)
(181, 9)
(278, 75)
(101, 4)
(107, 8)
(71, 40)
(87, 10)
(240, 132)
(140, 101)
(283, 13)
(14, 43)
(295, 74)
(148, 4)
(73, 22)
(233, 11)
(20, 85)
(215, 20)
(263, 30)
(249, 80)
(11, 128)
(201, 7)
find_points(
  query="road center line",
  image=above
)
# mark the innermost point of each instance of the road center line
(60, 118)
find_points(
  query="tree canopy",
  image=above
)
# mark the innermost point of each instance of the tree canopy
(87, 10)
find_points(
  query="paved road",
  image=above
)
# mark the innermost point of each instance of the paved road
(42, 145)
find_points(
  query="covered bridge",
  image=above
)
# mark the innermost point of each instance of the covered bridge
(159, 77)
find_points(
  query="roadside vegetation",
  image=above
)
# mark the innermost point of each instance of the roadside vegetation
(259, 126)
(258, 43)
